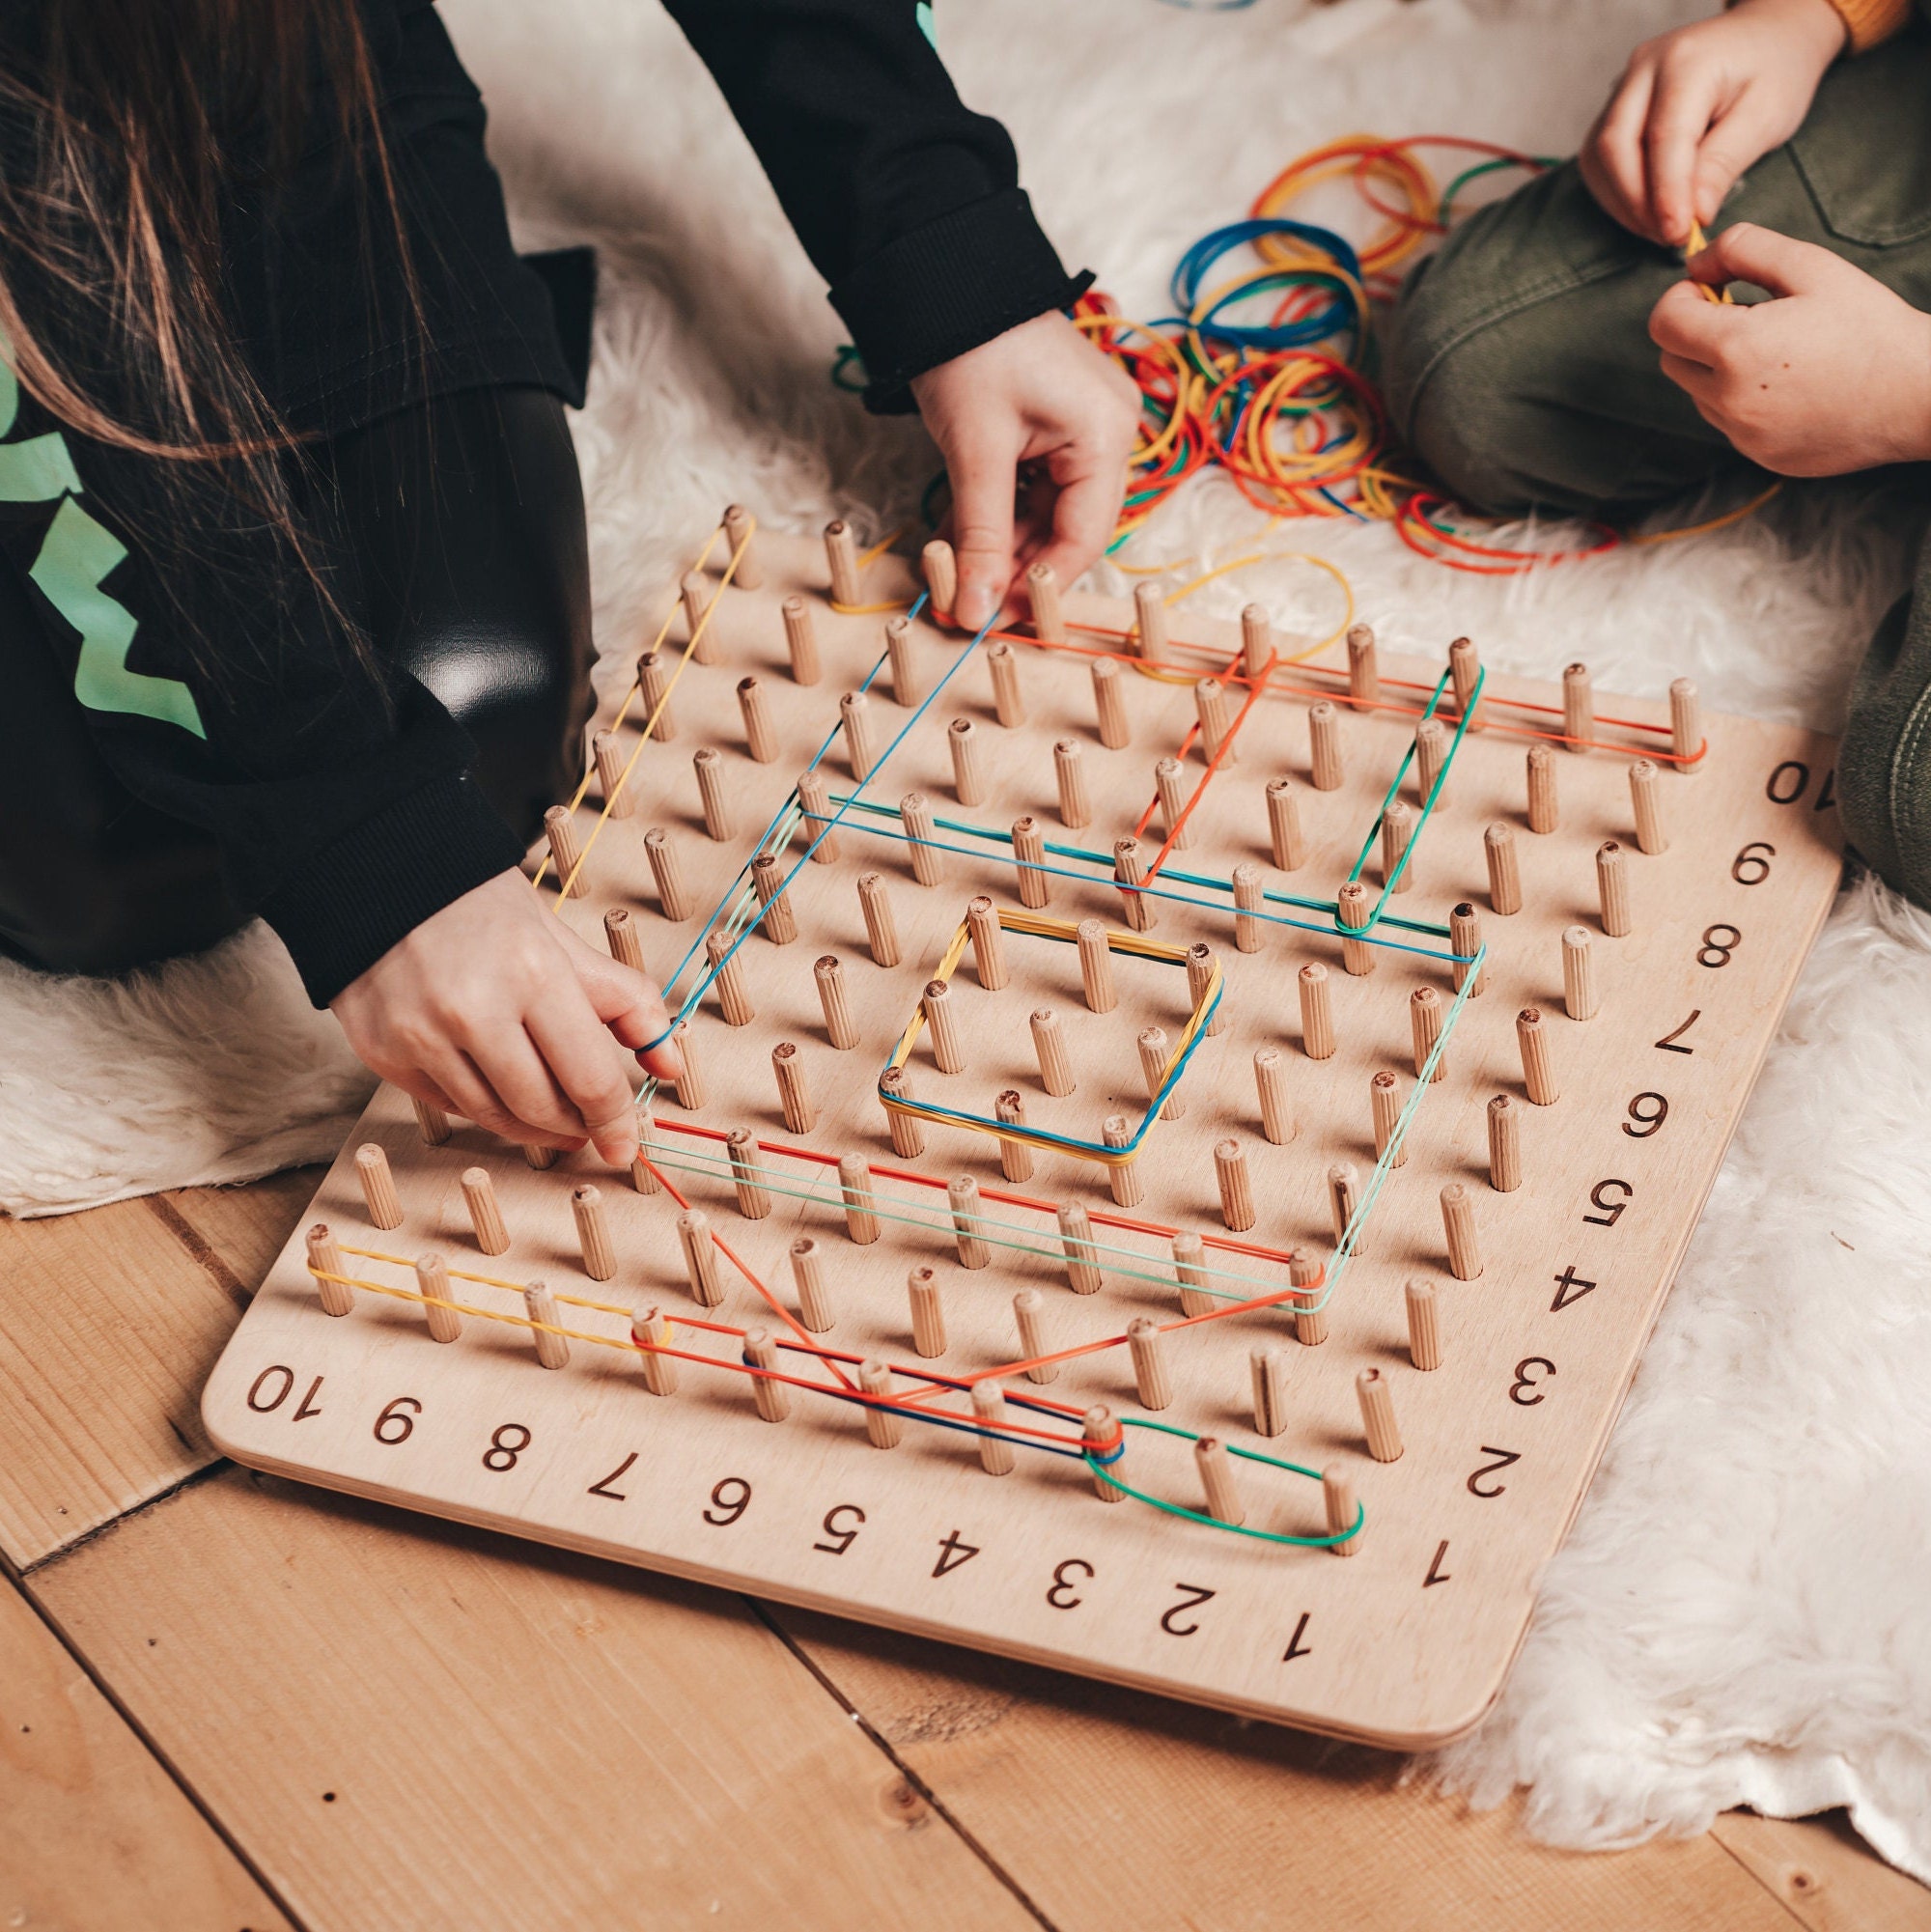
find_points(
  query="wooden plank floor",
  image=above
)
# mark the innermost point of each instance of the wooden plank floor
(259, 1706)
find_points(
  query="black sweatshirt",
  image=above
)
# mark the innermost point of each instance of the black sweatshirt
(215, 681)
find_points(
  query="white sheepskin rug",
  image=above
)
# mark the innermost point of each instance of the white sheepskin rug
(1740, 1616)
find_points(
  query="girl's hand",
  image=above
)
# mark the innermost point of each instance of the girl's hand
(1696, 107)
(1039, 394)
(494, 1010)
(1834, 374)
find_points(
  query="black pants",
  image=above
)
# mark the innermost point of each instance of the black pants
(455, 533)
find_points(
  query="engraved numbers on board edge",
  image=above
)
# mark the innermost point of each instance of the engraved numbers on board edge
(398, 1420)
(1647, 1111)
(952, 1552)
(1191, 1597)
(1064, 1582)
(729, 1500)
(1524, 1379)
(265, 1397)
(1503, 1458)
(1669, 1041)
(503, 1451)
(1611, 1205)
(1752, 865)
(1787, 782)
(840, 1536)
(601, 1485)
(1720, 942)
(1295, 1646)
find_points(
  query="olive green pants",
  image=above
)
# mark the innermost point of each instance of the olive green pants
(1519, 365)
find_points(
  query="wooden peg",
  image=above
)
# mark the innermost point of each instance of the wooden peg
(1029, 1313)
(1256, 642)
(324, 1257)
(941, 578)
(1152, 1045)
(1504, 1144)
(1189, 1268)
(1249, 907)
(1354, 908)
(883, 1427)
(739, 526)
(928, 1317)
(988, 952)
(673, 895)
(593, 1232)
(1378, 1421)
(1384, 1104)
(1236, 1185)
(1646, 802)
(814, 803)
(1152, 1378)
(1324, 739)
(1465, 937)
(650, 1332)
(1109, 704)
(747, 1174)
(841, 557)
(432, 1123)
(1544, 815)
(653, 680)
(1130, 870)
(904, 667)
(694, 590)
(1124, 1177)
(1076, 1241)
(1069, 770)
(1216, 1478)
(1268, 1368)
(1424, 1021)
(1344, 1196)
(1199, 977)
(378, 1185)
(988, 1407)
(760, 738)
(1284, 834)
(855, 1190)
(1172, 796)
(642, 1178)
(1096, 969)
(540, 1158)
(1685, 724)
(1504, 872)
(566, 855)
(1397, 828)
(1612, 889)
(855, 714)
(1216, 722)
(881, 926)
(617, 798)
(1029, 855)
(771, 1397)
(778, 919)
(1104, 1437)
(700, 1256)
(727, 967)
(1008, 704)
(690, 1086)
(1364, 677)
(801, 642)
(1424, 1325)
(620, 935)
(1578, 974)
(445, 1325)
(1149, 622)
(1578, 707)
(1049, 621)
(794, 1094)
(1344, 1512)
(1015, 1156)
(907, 1130)
(1464, 671)
(1538, 1075)
(829, 975)
(941, 1021)
(1317, 1011)
(1311, 1319)
(807, 1274)
(968, 780)
(1049, 1039)
(1276, 1106)
(963, 1195)
(1431, 759)
(540, 1307)
(921, 837)
(1458, 1224)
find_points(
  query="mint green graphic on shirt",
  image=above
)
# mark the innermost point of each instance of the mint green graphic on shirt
(76, 555)
(922, 14)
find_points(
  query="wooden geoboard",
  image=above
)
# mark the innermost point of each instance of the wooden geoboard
(1407, 1640)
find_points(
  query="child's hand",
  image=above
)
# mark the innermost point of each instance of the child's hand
(1833, 376)
(1694, 108)
(494, 1010)
(1039, 394)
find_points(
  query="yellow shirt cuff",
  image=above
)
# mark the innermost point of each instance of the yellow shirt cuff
(1869, 21)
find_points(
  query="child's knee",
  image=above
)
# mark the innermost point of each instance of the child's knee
(1884, 763)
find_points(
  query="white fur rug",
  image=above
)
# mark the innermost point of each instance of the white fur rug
(1739, 1616)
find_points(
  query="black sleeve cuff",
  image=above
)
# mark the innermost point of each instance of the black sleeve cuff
(947, 286)
(339, 913)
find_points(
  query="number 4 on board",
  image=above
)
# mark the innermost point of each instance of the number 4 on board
(952, 1552)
